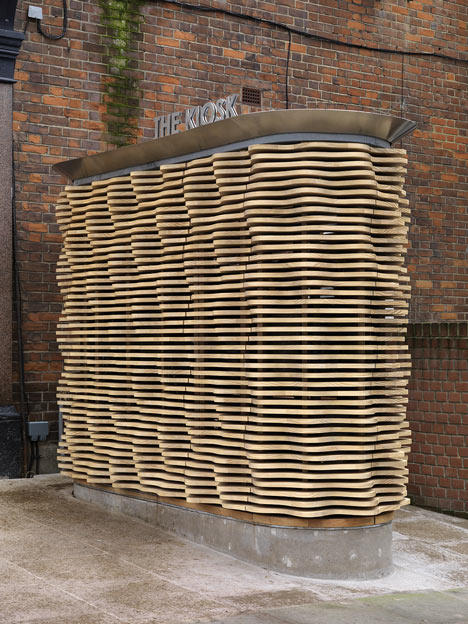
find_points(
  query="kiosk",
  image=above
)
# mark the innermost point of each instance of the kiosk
(233, 334)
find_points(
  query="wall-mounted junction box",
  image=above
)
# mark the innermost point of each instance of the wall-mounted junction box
(35, 12)
(38, 430)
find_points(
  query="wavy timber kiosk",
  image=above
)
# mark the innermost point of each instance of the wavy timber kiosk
(233, 331)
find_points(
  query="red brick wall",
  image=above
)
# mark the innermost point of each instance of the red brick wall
(439, 416)
(190, 57)
(56, 117)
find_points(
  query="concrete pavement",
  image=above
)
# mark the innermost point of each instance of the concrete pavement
(64, 560)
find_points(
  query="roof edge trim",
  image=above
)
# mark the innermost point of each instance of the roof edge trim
(242, 131)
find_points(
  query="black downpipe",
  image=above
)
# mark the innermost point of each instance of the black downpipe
(24, 407)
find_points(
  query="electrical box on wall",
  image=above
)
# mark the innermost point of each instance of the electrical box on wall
(35, 12)
(38, 430)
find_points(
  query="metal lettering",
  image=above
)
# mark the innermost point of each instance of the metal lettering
(209, 107)
(223, 108)
(220, 110)
(192, 117)
(158, 119)
(175, 121)
(230, 105)
(163, 125)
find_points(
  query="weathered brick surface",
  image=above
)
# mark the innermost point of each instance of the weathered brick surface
(190, 57)
(438, 407)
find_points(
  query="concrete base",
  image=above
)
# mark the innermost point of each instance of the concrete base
(352, 553)
(48, 457)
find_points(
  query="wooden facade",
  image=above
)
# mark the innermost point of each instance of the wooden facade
(233, 332)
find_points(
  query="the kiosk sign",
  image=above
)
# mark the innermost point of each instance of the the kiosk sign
(197, 116)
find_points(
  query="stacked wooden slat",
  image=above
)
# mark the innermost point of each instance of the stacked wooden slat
(233, 331)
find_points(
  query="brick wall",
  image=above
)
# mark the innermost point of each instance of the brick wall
(189, 57)
(438, 407)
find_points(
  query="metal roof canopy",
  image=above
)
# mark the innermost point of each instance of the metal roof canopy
(278, 126)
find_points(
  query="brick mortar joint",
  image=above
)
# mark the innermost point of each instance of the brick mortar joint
(438, 329)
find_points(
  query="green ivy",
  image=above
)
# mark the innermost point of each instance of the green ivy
(121, 21)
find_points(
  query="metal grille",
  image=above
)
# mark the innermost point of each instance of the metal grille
(251, 96)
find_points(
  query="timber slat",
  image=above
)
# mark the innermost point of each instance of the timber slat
(233, 333)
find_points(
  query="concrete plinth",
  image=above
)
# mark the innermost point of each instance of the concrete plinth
(349, 553)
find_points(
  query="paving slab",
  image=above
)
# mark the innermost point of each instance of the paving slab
(409, 608)
(38, 601)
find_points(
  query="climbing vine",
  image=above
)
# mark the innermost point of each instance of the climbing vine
(121, 21)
